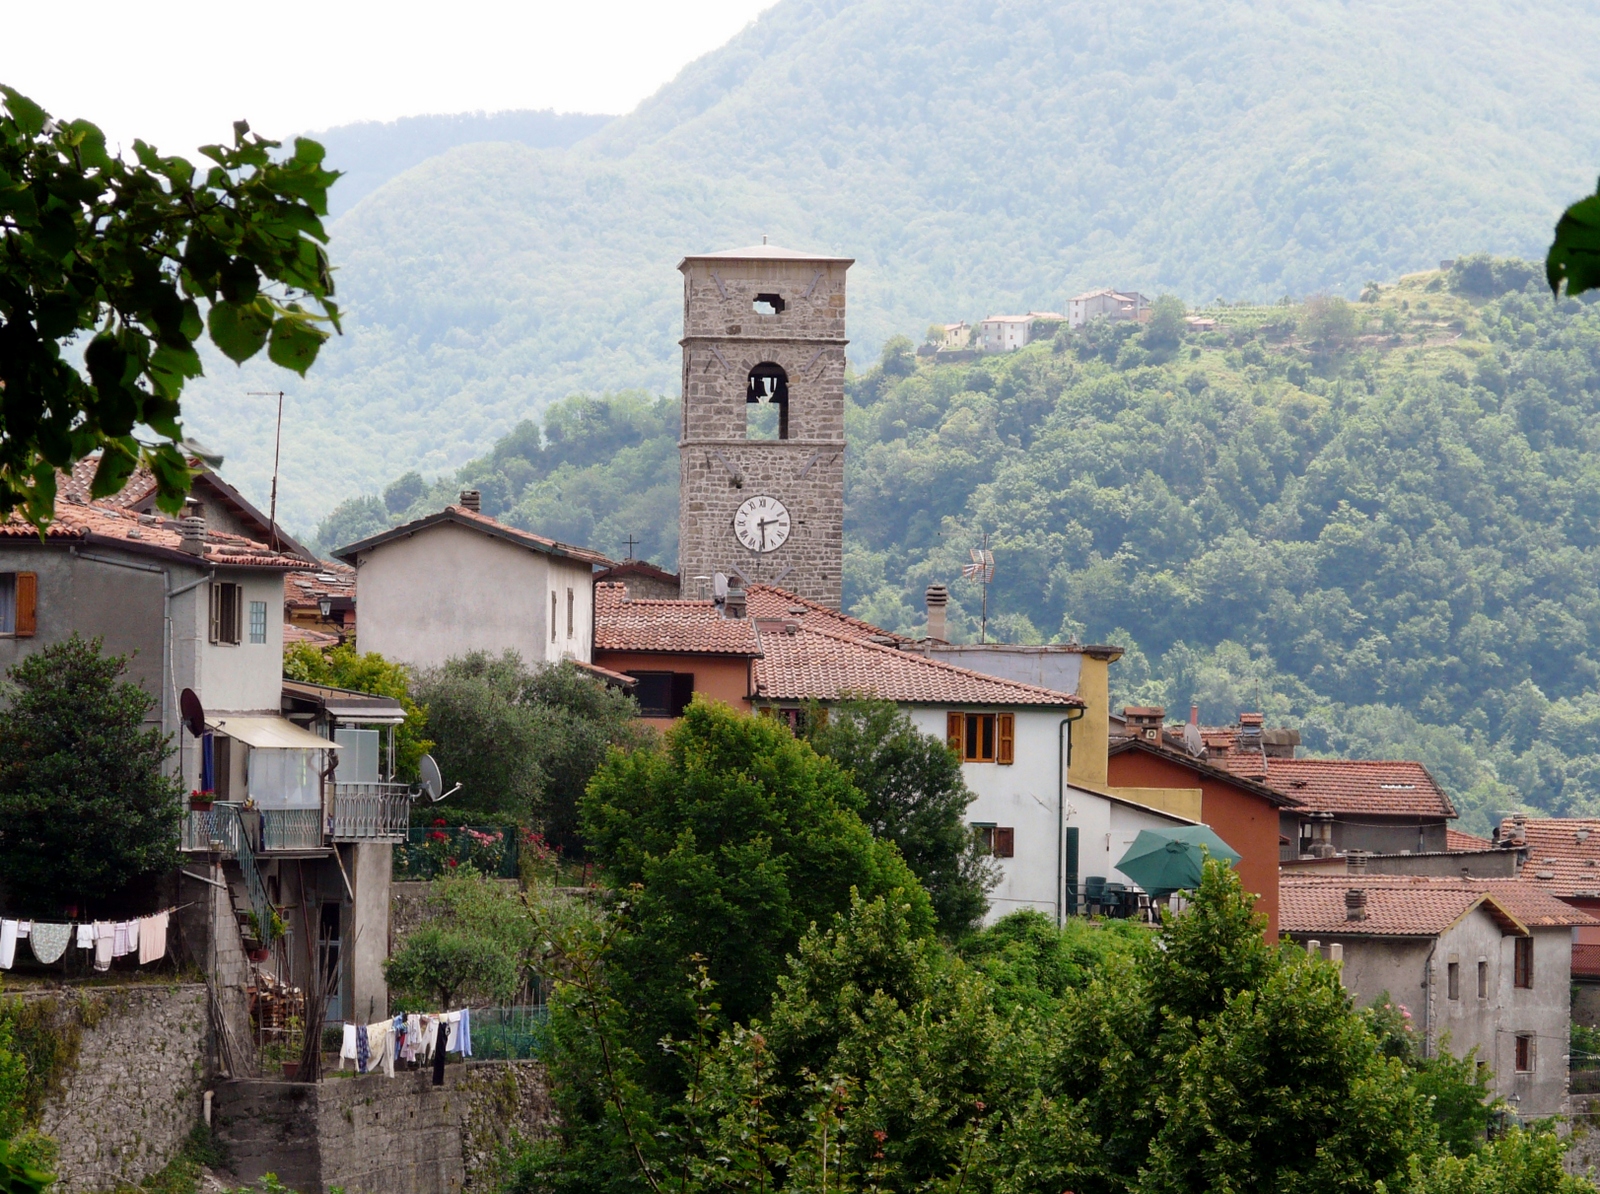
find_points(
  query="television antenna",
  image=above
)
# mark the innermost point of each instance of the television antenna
(981, 569)
(277, 445)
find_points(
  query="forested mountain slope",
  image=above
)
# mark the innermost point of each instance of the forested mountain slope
(1378, 522)
(974, 157)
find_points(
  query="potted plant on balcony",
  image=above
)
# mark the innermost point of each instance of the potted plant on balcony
(201, 800)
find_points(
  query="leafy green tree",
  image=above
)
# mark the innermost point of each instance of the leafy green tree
(1328, 322)
(522, 741)
(899, 357)
(86, 808)
(343, 667)
(739, 838)
(915, 798)
(130, 256)
(1519, 1162)
(1574, 255)
(351, 521)
(438, 966)
(1166, 327)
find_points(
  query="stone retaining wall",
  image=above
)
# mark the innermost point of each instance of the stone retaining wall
(376, 1135)
(134, 1096)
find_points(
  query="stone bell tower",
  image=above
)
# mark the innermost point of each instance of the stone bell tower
(761, 454)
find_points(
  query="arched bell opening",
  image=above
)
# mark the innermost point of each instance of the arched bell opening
(766, 399)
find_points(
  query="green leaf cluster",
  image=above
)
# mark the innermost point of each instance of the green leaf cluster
(131, 263)
(87, 809)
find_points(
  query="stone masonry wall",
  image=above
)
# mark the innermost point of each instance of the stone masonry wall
(135, 1095)
(375, 1135)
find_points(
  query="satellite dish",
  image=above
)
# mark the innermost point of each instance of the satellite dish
(194, 714)
(1192, 741)
(432, 781)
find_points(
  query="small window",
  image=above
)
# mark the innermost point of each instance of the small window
(997, 841)
(552, 617)
(570, 615)
(1524, 966)
(1483, 979)
(768, 304)
(226, 611)
(972, 736)
(1452, 982)
(1526, 1056)
(663, 694)
(258, 622)
(19, 595)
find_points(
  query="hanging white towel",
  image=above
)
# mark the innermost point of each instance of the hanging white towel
(133, 936)
(24, 927)
(105, 935)
(152, 938)
(347, 1046)
(8, 943)
(86, 936)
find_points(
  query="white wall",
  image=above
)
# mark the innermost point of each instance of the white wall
(450, 589)
(1023, 795)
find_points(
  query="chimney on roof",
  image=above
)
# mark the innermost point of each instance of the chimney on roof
(733, 606)
(192, 535)
(938, 597)
(1356, 862)
(472, 499)
(1355, 904)
(1250, 731)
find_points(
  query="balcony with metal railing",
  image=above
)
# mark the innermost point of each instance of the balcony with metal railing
(212, 831)
(370, 812)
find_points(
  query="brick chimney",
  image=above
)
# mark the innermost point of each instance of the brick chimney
(472, 499)
(734, 604)
(938, 597)
(192, 535)
(1355, 904)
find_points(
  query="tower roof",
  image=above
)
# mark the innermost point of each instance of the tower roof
(764, 252)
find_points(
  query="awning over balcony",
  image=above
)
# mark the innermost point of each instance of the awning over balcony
(342, 704)
(268, 733)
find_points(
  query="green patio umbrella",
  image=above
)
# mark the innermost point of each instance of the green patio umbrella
(1163, 861)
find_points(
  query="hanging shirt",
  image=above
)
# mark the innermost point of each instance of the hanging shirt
(408, 1050)
(347, 1047)
(152, 938)
(363, 1049)
(49, 941)
(8, 943)
(380, 1046)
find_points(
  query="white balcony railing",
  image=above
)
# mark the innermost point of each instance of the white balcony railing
(291, 829)
(370, 812)
(211, 830)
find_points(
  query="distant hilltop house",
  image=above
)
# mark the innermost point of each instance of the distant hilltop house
(1003, 333)
(957, 336)
(1106, 303)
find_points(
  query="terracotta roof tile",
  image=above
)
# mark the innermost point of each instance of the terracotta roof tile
(293, 634)
(100, 522)
(1456, 840)
(1351, 786)
(461, 516)
(769, 601)
(802, 660)
(1412, 905)
(1563, 855)
(668, 626)
(305, 590)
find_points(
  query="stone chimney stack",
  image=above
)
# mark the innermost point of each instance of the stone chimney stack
(1355, 904)
(472, 499)
(733, 606)
(192, 535)
(938, 597)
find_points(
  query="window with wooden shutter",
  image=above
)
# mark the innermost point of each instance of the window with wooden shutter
(27, 608)
(953, 723)
(227, 613)
(1005, 842)
(1006, 744)
(1524, 962)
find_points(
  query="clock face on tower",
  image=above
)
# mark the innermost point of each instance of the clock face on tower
(762, 524)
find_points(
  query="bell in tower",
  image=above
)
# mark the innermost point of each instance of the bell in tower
(761, 456)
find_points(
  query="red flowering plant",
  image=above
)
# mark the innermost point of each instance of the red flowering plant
(442, 849)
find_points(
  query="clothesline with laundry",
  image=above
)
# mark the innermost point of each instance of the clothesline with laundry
(146, 936)
(408, 1038)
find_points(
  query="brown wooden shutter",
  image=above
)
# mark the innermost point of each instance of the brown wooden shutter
(27, 620)
(214, 613)
(1005, 751)
(238, 615)
(953, 724)
(1005, 842)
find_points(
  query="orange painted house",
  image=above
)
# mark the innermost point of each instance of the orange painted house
(1241, 812)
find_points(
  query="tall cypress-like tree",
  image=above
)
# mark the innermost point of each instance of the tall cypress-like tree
(85, 806)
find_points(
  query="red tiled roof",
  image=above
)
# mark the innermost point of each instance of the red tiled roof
(769, 601)
(1351, 786)
(1413, 905)
(801, 660)
(1558, 862)
(461, 516)
(668, 626)
(105, 524)
(293, 634)
(618, 679)
(1456, 840)
(74, 486)
(304, 590)
(639, 568)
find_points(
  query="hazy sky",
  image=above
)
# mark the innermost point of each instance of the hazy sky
(179, 72)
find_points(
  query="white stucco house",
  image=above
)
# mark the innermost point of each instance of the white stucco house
(1486, 963)
(459, 581)
(1107, 303)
